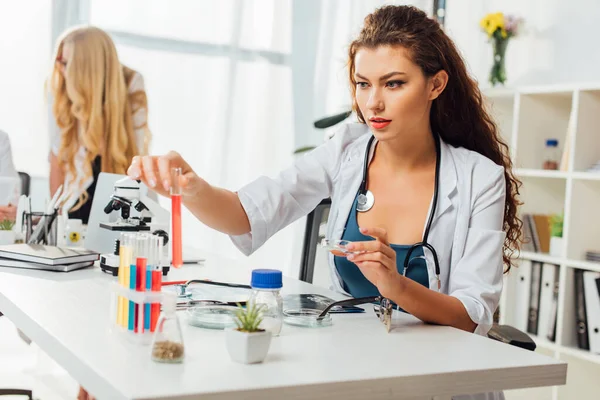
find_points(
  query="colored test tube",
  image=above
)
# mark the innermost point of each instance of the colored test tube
(176, 218)
(149, 265)
(156, 279)
(140, 283)
(124, 250)
(132, 285)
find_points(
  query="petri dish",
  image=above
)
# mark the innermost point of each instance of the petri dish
(212, 316)
(337, 247)
(306, 318)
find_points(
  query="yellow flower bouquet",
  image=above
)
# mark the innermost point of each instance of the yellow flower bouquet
(499, 28)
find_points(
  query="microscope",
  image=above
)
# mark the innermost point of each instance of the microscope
(151, 218)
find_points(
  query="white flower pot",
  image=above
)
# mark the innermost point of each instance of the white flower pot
(556, 246)
(247, 348)
(7, 237)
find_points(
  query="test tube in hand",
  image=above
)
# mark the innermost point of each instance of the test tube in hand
(177, 260)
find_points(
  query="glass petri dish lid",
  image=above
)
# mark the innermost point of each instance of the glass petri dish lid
(212, 316)
(306, 318)
(337, 247)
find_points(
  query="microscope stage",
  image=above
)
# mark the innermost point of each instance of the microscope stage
(117, 226)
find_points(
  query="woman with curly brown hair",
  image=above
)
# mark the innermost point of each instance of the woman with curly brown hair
(425, 165)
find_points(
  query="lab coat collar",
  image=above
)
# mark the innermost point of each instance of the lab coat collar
(448, 180)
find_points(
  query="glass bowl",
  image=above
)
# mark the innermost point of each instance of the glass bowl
(212, 316)
(306, 318)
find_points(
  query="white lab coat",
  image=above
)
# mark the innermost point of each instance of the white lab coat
(466, 230)
(7, 168)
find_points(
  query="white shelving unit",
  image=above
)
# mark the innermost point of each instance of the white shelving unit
(527, 116)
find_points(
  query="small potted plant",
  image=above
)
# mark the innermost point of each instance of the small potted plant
(556, 233)
(247, 343)
(7, 235)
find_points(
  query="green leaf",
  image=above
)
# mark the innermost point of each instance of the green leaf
(304, 149)
(250, 318)
(6, 225)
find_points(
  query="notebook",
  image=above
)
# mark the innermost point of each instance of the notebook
(5, 262)
(47, 255)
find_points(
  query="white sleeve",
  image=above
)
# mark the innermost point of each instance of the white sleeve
(476, 280)
(7, 167)
(140, 116)
(272, 204)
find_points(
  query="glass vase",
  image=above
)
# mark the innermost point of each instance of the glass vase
(498, 71)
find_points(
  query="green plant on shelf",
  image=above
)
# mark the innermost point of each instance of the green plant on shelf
(556, 225)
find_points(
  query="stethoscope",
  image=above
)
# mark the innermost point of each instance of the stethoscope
(366, 200)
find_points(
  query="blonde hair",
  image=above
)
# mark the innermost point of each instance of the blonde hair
(95, 95)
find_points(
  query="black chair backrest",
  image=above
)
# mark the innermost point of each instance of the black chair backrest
(311, 240)
(25, 183)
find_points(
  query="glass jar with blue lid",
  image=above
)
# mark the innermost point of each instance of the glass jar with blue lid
(266, 293)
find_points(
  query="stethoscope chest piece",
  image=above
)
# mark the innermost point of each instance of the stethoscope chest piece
(365, 201)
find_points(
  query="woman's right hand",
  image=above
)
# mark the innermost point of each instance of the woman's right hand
(155, 172)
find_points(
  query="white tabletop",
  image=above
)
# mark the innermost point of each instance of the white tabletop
(67, 315)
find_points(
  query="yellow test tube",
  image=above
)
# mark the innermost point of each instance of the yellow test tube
(124, 263)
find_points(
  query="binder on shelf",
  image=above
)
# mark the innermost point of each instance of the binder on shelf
(541, 229)
(528, 242)
(592, 303)
(554, 308)
(534, 297)
(522, 295)
(546, 299)
(581, 327)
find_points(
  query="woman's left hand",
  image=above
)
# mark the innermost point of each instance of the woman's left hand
(377, 261)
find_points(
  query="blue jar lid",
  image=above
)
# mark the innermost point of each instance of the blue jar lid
(551, 142)
(266, 279)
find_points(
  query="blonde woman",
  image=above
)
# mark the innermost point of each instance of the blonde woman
(99, 109)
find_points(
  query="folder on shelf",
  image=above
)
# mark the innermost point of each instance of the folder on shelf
(581, 327)
(528, 243)
(534, 297)
(554, 309)
(545, 323)
(592, 303)
(522, 295)
(541, 230)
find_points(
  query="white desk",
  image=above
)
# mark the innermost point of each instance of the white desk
(66, 314)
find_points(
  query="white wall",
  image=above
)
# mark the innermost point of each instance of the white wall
(25, 48)
(559, 43)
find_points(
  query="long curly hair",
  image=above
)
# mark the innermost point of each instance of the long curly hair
(95, 95)
(459, 114)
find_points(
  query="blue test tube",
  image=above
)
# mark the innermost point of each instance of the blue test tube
(132, 282)
(149, 265)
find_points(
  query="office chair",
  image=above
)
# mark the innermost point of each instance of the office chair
(25, 183)
(502, 333)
